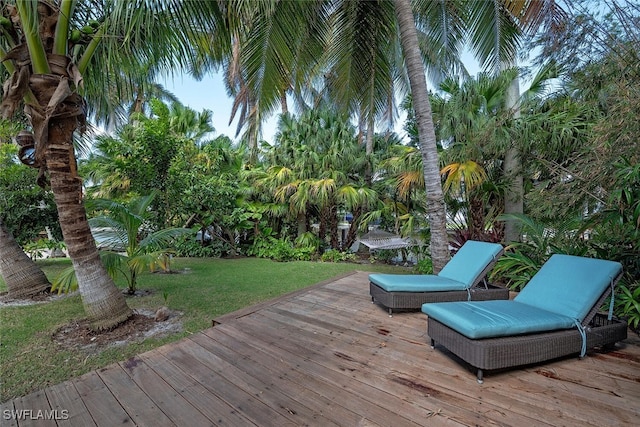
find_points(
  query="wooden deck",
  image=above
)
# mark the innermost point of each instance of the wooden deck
(326, 356)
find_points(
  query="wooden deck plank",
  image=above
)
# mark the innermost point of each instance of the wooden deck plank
(336, 384)
(292, 370)
(138, 405)
(8, 414)
(267, 392)
(273, 391)
(590, 414)
(105, 410)
(278, 374)
(198, 395)
(65, 397)
(173, 405)
(35, 408)
(326, 355)
(241, 401)
(399, 381)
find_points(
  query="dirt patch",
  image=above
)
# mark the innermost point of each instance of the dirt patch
(78, 335)
(6, 301)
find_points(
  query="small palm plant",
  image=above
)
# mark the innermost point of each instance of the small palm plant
(131, 247)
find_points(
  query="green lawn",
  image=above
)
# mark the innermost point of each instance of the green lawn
(203, 289)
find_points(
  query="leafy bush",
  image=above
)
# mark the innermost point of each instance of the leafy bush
(424, 266)
(385, 255)
(280, 250)
(308, 240)
(627, 305)
(187, 246)
(515, 269)
(333, 255)
(522, 260)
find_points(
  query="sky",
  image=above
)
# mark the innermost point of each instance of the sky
(210, 93)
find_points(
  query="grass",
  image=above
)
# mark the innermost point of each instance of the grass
(204, 289)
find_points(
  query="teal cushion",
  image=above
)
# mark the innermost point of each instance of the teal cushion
(495, 318)
(569, 285)
(415, 283)
(470, 260)
(460, 273)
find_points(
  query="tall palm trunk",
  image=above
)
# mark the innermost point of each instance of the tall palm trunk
(103, 302)
(514, 199)
(302, 223)
(23, 277)
(426, 134)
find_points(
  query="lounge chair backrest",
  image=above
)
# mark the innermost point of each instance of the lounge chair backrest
(570, 285)
(471, 260)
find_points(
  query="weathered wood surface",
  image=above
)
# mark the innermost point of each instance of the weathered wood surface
(326, 356)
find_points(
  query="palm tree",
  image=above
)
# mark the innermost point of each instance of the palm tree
(498, 28)
(122, 226)
(65, 65)
(23, 277)
(317, 166)
(426, 133)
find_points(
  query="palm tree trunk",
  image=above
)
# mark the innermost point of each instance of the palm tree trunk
(333, 227)
(352, 235)
(103, 302)
(23, 277)
(439, 244)
(514, 199)
(302, 223)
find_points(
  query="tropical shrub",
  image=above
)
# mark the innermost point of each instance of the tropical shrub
(424, 266)
(280, 250)
(187, 246)
(333, 255)
(125, 226)
(627, 304)
(522, 260)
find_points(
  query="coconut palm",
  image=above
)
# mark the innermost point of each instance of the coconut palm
(75, 51)
(426, 133)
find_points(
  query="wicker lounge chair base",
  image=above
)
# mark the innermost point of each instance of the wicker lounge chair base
(505, 352)
(414, 300)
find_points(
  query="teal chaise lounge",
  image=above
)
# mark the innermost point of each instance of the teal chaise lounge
(555, 315)
(463, 278)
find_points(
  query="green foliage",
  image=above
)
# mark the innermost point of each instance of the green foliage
(308, 240)
(333, 255)
(314, 170)
(280, 250)
(26, 208)
(515, 268)
(188, 246)
(627, 304)
(522, 261)
(36, 249)
(127, 226)
(424, 266)
(385, 255)
(616, 229)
